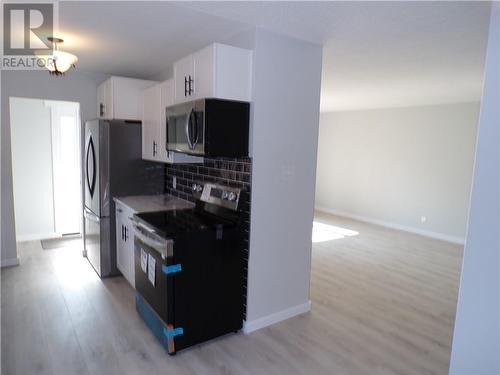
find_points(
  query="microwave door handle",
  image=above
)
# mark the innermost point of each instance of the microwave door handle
(166, 131)
(195, 129)
(188, 131)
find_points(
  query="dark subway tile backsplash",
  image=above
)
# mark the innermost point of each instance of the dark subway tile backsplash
(223, 171)
(153, 177)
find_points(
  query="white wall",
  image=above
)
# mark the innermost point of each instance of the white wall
(476, 340)
(76, 86)
(394, 166)
(285, 118)
(31, 143)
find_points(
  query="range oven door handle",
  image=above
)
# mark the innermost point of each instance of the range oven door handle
(142, 233)
(141, 227)
(90, 215)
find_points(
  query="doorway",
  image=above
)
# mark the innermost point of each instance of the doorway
(45, 139)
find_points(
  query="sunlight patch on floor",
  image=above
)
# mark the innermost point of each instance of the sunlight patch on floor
(72, 270)
(326, 232)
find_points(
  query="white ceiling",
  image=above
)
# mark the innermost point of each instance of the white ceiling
(376, 54)
(136, 38)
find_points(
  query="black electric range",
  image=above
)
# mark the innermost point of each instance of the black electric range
(189, 268)
(175, 222)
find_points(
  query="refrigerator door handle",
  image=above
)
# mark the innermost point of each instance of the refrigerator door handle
(87, 164)
(90, 215)
(90, 148)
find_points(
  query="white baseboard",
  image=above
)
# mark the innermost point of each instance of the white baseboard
(9, 262)
(422, 232)
(254, 325)
(37, 236)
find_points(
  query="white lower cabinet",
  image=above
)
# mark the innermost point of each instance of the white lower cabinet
(125, 209)
(125, 242)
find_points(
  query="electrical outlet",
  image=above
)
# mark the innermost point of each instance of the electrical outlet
(174, 182)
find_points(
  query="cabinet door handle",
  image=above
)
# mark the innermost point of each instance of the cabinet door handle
(126, 233)
(185, 86)
(191, 81)
(122, 233)
(101, 109)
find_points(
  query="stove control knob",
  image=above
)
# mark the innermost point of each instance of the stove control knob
(197, 188)
(232, 196)
(225, 194)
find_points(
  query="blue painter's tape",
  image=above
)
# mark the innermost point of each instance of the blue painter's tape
(171, 269)
(151, 320)
(173, 332)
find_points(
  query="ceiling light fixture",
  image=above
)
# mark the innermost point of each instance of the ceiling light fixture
(59, 62)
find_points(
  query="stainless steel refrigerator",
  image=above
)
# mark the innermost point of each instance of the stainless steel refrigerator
(113, 167)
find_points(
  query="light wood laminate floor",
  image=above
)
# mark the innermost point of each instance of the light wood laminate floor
(383, 302)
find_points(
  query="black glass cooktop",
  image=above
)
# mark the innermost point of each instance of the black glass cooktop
(169, 223)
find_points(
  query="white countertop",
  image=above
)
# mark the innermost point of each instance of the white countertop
(150, 203)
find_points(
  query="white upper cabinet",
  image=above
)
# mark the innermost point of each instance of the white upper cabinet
(154, 125)
(120, 98)
(217, 71)
(105, 100)
(150, 123)
(203, 62)
(183, 78)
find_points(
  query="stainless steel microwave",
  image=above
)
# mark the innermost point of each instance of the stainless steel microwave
(208, 127)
